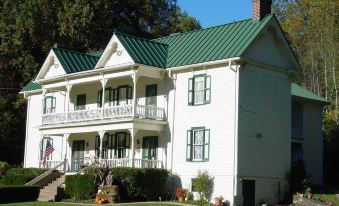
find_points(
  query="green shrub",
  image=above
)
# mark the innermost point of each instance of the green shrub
(80, 187)
(204, 185)
(4, 166)
(19, 193)
(140, 184)
(20, 176)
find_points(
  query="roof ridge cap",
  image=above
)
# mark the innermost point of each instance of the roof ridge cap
(140, 38)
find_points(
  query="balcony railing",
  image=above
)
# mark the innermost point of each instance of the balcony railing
(297, 133)
(115, 112)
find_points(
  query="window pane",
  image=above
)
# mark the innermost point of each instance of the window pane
(198, 137)
(199, 90)
(198, 152)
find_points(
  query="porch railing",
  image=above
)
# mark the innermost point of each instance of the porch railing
(56, 164)
(121, 111)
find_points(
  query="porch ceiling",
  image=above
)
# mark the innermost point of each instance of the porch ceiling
(104, 125)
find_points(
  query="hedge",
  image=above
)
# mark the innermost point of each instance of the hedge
(20, 176)
(19, 194)
(140, 184)
(80, 186)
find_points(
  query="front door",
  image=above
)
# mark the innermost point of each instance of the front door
(248, 192)
(78, 148)
(149, 148)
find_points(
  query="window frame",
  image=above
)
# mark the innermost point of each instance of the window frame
(53, 106)
(207, 89)
(190, 144)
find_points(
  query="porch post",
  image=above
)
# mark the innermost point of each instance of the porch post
(68, 87)
(41, 154)
(103, 84)
(66, 141)
(135, 80)
(101, 134)
(133, 132)
(44, 91)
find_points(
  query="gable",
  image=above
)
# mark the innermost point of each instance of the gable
(51, 67)
(271, 47)
(125, 49)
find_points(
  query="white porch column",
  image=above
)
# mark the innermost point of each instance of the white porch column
(135, 80)
(44, 91)
(41, 149)
(68, 87)
(103, 84)
(101, 134)
(67, 147)
(133, 132)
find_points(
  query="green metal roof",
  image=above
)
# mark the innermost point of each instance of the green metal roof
(301, 92)
(73, 61)
(31, 86)
(144, 51)
(216, 43)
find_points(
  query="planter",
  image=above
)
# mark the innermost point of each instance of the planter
(181, 199)
(218, 201)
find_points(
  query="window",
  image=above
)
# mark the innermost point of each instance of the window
(109, 94)
(297, 152)
(198, 144)
(297, 120)
(81, 102)
(49, 106)
(124, 95)
(114, 146)
(199, 90)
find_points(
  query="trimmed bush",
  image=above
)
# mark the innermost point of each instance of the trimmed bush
(140, 184)
(19, 194)
(20, 176)
(80, 187)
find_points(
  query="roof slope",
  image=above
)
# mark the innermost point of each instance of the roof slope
(301, 92)
(31, 86)
(73, 61)
(215, 43)
(144, 51)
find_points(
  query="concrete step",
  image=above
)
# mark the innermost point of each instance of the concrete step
(49, 192)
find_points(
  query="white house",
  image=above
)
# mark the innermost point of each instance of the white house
(218, 99)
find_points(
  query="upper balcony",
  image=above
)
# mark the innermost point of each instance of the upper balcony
(125, 97)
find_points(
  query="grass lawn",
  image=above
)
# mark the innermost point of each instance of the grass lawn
(329, 198)
(85, 204)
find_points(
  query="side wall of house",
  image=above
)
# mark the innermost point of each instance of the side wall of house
(264, 132)
(313, 141)
(33, 137)
(219, 117)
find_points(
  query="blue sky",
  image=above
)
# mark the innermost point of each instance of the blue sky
(217, 12)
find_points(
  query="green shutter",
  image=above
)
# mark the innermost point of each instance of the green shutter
(207, 89)
(206, 150)
(99, 99)
(190, 91)
(189, 146)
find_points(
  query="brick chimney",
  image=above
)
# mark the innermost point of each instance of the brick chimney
(261, 8)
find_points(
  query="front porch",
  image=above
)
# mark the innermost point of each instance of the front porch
(134, 148)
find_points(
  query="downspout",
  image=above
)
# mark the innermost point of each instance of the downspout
(235, 139)
(173, 118)
(27, 126)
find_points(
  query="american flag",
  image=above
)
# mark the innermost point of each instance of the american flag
(49, 149)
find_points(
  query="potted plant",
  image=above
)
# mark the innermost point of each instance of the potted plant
(180, 193)
(218, 200)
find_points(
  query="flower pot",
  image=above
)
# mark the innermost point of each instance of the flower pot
(181, 199)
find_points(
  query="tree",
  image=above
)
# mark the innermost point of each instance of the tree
(28, 29)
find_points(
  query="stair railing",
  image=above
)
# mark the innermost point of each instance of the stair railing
(45, 174)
